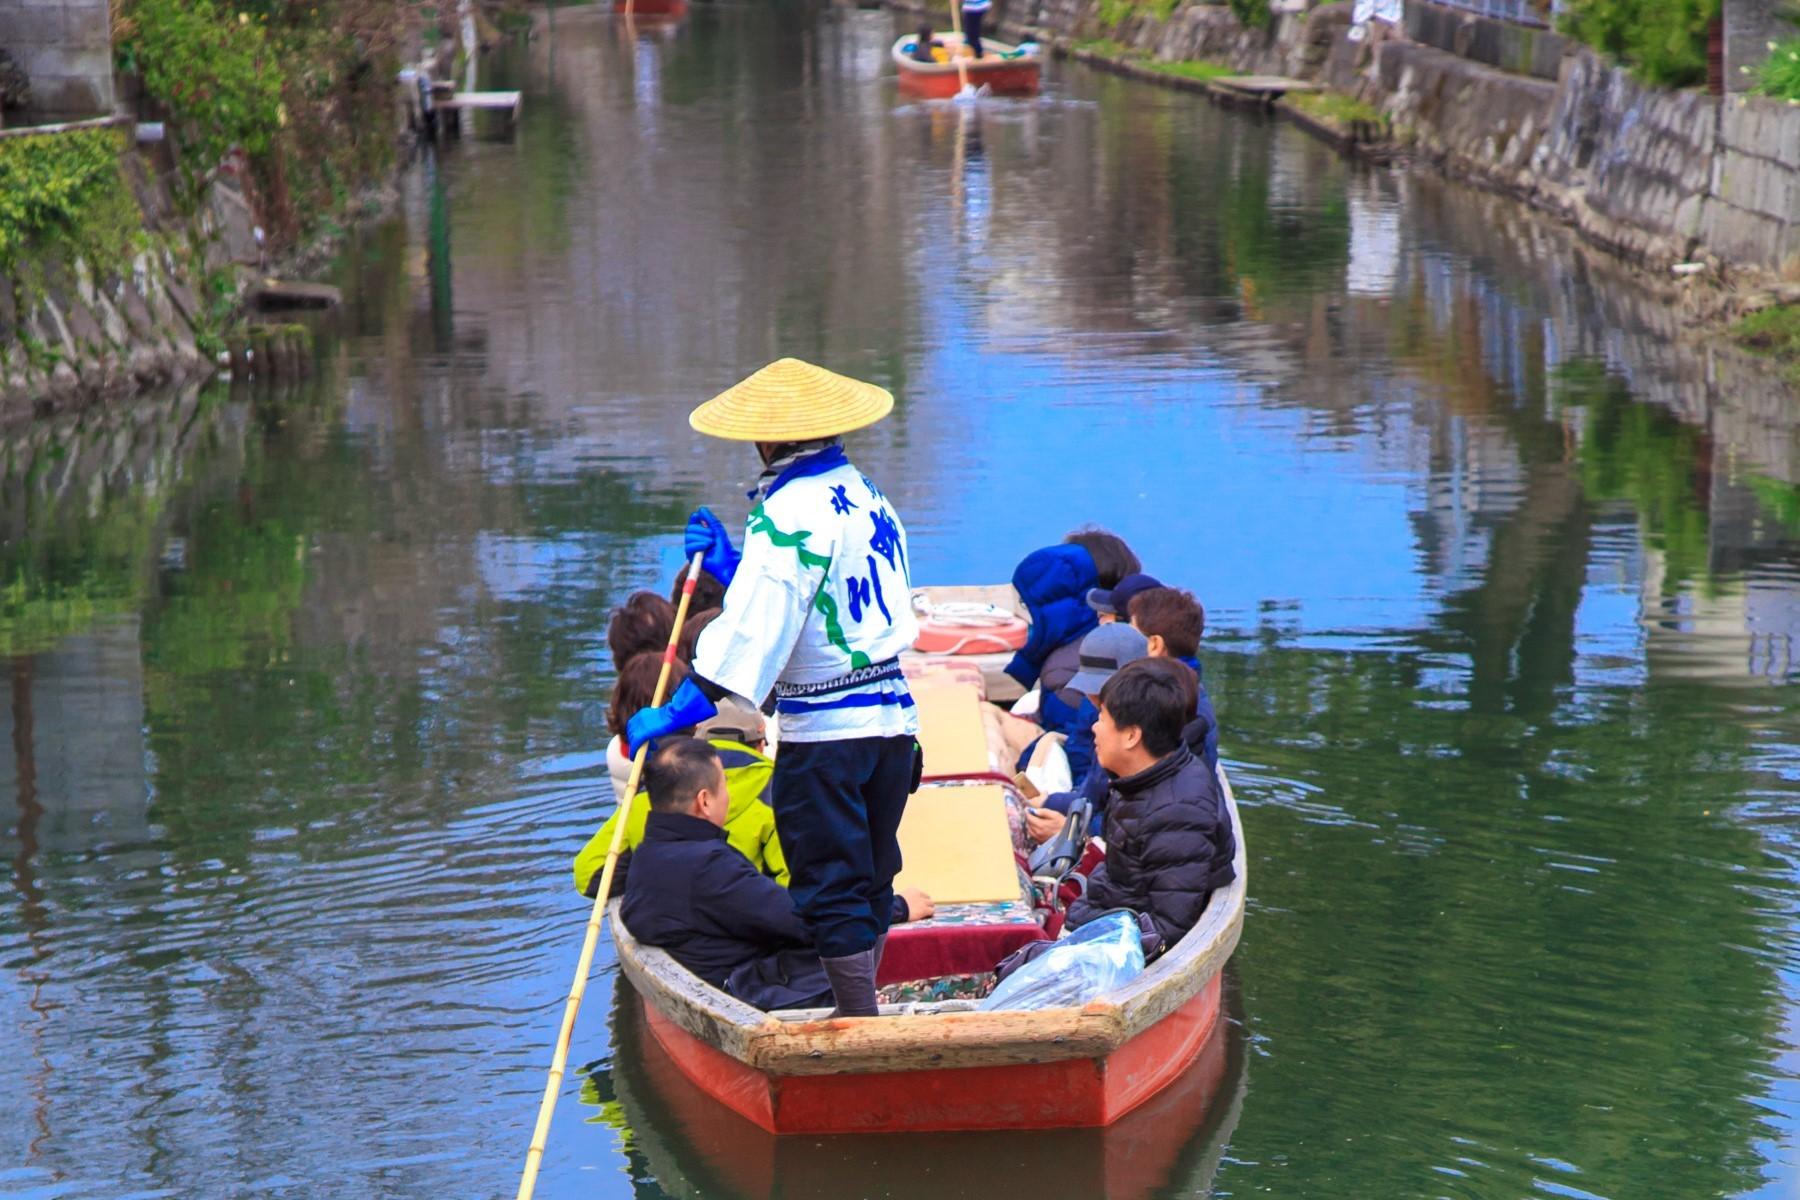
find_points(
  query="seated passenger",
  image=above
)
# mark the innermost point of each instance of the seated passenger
(1169, 840)
(700, 900)
(1053, 584)
(639, 625)
(1172, 620)
(708, 593)
(1103, 652)
(1114, 603)
(698, 620)
(924, 44)
(735, 732)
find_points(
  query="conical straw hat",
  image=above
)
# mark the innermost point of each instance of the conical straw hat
(792, 401)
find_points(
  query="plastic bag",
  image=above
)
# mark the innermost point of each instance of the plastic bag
(1102, 954)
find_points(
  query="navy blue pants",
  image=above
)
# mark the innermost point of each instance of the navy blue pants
(837, 810)
(972, 19)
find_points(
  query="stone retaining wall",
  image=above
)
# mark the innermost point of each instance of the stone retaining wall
(1659, 177)
(68, 338)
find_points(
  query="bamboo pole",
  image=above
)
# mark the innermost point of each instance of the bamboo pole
(534, 1157)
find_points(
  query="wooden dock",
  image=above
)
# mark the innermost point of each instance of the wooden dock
(507, 102)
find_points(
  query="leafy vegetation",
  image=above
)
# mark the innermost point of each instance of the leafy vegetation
(1252, 14)
(1779, 75)
(1109, 48)
(301, 91)
(216, 74)
(1662, 41)
(1775, 332)
(63, 195)
(1339, 109)
(1199, 69)
(1113, 12)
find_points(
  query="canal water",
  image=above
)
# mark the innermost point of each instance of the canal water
(303, 688)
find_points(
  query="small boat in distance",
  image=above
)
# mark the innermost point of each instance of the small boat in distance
(672, 10)
(1003, 69)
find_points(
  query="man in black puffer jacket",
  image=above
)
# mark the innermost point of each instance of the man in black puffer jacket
(1169, 840)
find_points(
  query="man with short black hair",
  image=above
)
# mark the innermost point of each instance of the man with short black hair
(1173, 621)
(1169, 840)
(692, 893)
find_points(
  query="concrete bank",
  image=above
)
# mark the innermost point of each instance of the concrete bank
(1657, 177)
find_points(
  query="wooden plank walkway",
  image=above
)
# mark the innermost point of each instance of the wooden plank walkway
(509, 102)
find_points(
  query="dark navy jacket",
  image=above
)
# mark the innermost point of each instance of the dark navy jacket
(1204, 711)
(693, 894)
(1201, 736)
(1169, 843)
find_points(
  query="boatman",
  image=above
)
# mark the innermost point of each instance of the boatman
(818, 607)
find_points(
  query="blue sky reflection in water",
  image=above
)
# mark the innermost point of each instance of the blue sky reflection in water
(304, 689)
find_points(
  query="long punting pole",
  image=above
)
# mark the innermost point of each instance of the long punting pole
(534, 1157)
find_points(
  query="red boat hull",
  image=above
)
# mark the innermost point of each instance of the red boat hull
(653, 8)
(1052, 1095)
(696, 1148)
(1011, 79)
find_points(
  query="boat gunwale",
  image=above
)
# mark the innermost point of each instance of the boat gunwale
(924, 1038)
(975, 67)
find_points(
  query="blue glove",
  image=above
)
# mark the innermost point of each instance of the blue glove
(685, 709)
(706, 534)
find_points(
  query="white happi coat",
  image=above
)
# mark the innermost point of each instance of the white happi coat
(820, 607)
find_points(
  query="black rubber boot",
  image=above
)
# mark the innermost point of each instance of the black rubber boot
(853, 983)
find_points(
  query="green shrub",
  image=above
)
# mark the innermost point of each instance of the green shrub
(1779, 75)
(1662, 41)
(214, 71)
(62, 194)
(1339, 109)
(1252, 14)
(1774, 332)
(1198, 69)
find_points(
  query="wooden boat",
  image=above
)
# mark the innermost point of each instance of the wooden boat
(944, 1065)
(1001, 75)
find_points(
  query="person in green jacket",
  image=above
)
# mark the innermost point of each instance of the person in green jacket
(737, 732)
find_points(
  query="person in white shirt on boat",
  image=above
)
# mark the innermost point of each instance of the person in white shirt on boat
(817, 610)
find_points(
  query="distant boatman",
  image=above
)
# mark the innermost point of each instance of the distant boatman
(974, 12)
(818, 607)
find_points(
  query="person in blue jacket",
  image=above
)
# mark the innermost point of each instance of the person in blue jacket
(1054, 583)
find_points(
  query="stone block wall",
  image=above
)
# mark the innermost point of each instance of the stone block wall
(1521, 49)
(65, 47)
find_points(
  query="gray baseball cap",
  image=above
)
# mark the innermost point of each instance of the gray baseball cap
(736, 721)
(1103, 652)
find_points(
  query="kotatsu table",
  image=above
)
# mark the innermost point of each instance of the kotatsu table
(962, 939)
